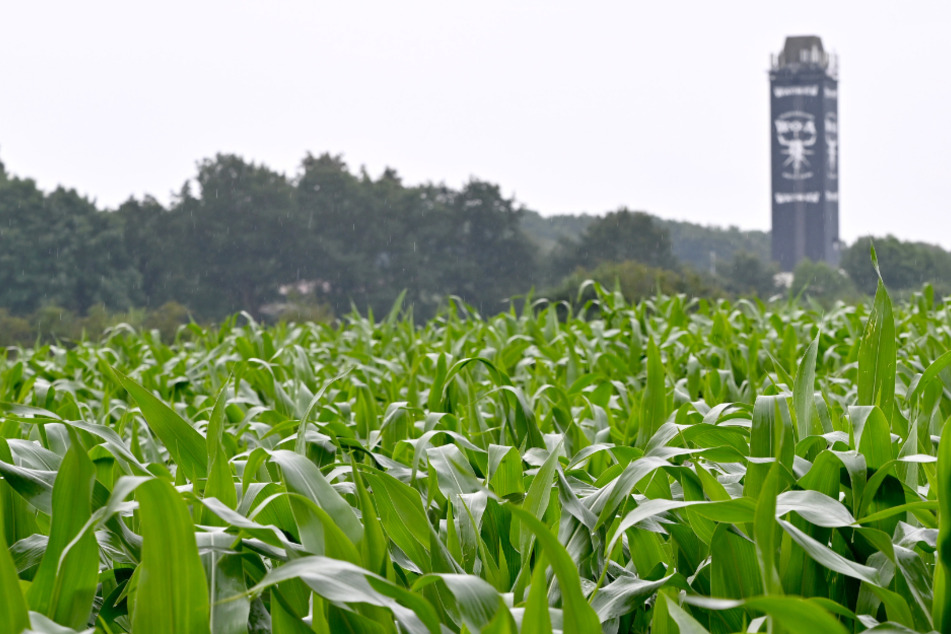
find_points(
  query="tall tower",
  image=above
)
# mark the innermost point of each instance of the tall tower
(803, 83)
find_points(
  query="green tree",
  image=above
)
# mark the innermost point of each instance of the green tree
(904, 265)
(59, 249)
(701, 246)
(822, 282)
(484, 255)
(746, 274)
(336, 222)
(241, 236)
(619, 236)
(156, 241)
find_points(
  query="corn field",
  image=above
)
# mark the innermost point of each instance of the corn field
(677, 465)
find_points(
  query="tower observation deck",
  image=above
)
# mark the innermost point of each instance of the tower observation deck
(803, 87)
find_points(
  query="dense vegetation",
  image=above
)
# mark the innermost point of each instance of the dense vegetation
(672, 465)
(239, 236)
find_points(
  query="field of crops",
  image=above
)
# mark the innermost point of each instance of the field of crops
(672, 466)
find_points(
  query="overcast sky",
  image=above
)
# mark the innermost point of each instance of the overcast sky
(570, 107)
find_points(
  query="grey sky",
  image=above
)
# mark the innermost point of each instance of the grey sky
(568, 106)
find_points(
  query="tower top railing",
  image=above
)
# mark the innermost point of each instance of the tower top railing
(805, 53)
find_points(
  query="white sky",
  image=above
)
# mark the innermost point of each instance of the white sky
(570, 107)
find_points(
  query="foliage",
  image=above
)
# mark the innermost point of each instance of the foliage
(549, 231)
(675, 464)
(905, 265)
(691, 244)
(636, 281)
(14, 331)
(54, 324)
(747, 274)
(696, 245)
(821, 282)
(58, 248)
(617, 237)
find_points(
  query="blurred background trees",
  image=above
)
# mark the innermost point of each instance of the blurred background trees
(240, 236)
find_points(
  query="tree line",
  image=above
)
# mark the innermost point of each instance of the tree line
(241, 236)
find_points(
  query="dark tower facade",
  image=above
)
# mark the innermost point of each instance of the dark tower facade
(803, 88)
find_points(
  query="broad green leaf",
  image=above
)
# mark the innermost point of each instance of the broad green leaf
(795, 614)
(623, 595)
(578, 615)
(220, 480)
(65, 583)
(930, 374)
(654, 407)
(505, 470)
(226, 580)
(454, 474)
(803, 390)
(475, 600)
(13, 612)
(302, 476)
(402, 516)
(537, 617)
(172, 593)
(872, 435)
(536, 501)
(829, 558)
(771, 436)
(942, 574)
(876, 360)
(185, 445)
(343, 583)
(764, 531)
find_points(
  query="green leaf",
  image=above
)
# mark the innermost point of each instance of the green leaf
(454, 474)
(374, 544)
(505, 470)
(829, 558)
(872, 435)
(226, 579)
(804, 390)
(343, 583)
(771, 436)
(475, 600)
(302, 476)
(578, 615)
(537, 617)
(795, 614)
(320, 533)
(623, 595)
(654, 404)
(537, 500)
(764, 531)
(403, 518)
(942, 575)
(65, 583)
(930, 374)
(172, 594)
(686, 624)
(185, 445)
(13, 612)
(220, 479)
(876, 359)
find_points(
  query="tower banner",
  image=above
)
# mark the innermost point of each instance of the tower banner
(804, 143)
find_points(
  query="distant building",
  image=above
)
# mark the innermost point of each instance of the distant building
(803, 90)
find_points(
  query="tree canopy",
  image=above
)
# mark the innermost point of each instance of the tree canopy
(241, 236)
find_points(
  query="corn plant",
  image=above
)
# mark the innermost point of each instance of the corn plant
(677, 465)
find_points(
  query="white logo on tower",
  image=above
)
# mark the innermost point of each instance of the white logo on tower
(832, 144)
(796, 132)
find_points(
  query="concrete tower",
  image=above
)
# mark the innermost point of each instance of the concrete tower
(803, 86)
